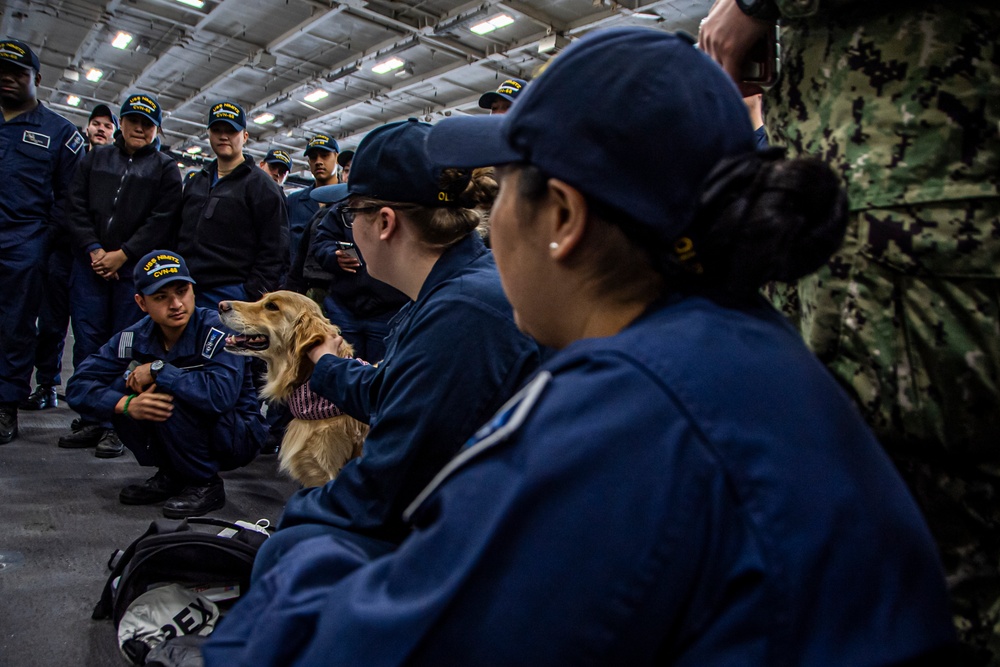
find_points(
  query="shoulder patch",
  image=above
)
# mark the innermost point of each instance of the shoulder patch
(75, 143)
(212, 341)
(506, 421)
(125, 345)
(37, 139)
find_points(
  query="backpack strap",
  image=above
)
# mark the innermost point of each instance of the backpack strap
(159, 527)
(209, 521)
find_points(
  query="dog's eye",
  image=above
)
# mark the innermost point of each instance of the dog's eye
(270, 305)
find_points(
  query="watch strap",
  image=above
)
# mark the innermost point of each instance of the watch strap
(765, 10)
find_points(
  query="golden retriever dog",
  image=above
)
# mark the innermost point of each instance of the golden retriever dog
(280, 329)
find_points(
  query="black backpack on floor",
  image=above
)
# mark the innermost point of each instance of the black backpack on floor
(189, 552)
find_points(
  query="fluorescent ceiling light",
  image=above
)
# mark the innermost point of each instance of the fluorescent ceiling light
(73, 101)
(387, 66)
(492, 24)
(264, 118)
(94, 74)
(651, 16)
(194, 150)
(316, 95)
(122, 40)
(193, 3)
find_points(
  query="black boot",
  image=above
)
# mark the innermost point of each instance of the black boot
(157, 488)
(88, 435)
(43, 398)
(8, 423)
(109, 446)
(196, 500)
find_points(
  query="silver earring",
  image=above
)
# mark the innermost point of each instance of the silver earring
(554, 246)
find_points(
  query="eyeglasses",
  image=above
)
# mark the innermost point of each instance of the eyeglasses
(347, 213)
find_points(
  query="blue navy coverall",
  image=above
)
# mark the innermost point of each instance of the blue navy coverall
(216, 423)
(695, 491)
(453, 357)
(39, 151)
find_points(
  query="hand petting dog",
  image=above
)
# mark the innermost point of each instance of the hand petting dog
(329, 345)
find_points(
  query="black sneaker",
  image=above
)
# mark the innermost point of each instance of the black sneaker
(196, 500)
(8, 423)
(88, 435)
(43, 398)
(155, 489)
(109, 446)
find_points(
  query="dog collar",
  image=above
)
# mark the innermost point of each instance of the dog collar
(304, 403)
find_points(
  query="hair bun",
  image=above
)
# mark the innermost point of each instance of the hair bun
(762, 218)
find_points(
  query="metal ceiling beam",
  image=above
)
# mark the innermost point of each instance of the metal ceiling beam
(596, 20)
(535, 14)
(524, 44)
(138, 81)
(373, 52)
(357, 9)
(279, 42)
(96, 17)
(426, 32)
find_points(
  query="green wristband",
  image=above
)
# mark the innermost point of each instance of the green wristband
(128, 400)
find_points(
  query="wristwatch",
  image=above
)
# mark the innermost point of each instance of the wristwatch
(765, 10)
(155, 368)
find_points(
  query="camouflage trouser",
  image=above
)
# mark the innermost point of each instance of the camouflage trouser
(962, 508)
(912, 330)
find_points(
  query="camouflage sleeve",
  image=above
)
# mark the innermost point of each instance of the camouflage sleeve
(798, 9)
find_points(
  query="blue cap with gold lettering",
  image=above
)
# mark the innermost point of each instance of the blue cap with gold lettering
(322, 142)
(18, 53)
(227, 112)
(158, 268)
(279, 157)
(391, 165)
(508, 90)
(142, 104)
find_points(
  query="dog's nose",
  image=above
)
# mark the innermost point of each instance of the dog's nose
(225, 307)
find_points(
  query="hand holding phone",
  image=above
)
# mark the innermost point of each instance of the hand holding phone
(347, 256)
(760, 68)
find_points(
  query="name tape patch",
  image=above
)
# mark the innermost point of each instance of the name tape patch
(37, 139)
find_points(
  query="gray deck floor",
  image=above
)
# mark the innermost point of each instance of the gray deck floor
(60, 520)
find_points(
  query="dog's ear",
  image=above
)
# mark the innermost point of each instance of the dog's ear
(309, 330)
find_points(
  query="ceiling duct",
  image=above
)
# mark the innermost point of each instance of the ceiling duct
(552, 43)
(263, 60)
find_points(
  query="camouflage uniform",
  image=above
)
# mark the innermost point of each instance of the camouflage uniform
(904, 103)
